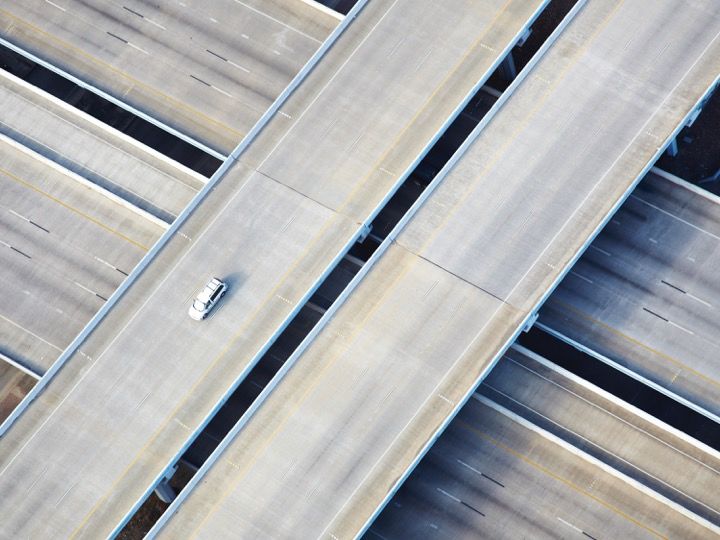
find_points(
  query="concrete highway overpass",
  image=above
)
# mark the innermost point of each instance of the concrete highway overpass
(494, 473)
(65, 248)
(644, 296)
(148, 378)
(338, 433)
(613, 432)
(208, 70)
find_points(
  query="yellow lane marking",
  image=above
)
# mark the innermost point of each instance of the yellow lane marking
(71, 208)
(320, 235)
(557, 477)
(267, 440)
(81, 52)
(519, 126)
(169, 418)
(639, 343)
(441, 86)
(247, 463)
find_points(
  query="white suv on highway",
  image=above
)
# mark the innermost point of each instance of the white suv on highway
(207, 298)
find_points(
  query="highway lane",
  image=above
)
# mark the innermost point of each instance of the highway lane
(645, 295)
(609, 430)
(65, 247)
(95, 152)
(333, 439)
(143, 383)
(207, 69)
(489, 476)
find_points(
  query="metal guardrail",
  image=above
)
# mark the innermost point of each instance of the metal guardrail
(162, 241)
(126, 106)
(227, 440)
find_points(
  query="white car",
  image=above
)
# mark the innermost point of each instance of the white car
(207, 298)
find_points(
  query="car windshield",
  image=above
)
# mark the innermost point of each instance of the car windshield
(200, 306)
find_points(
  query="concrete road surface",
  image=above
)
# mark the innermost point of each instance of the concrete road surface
(90, 149)
(489, 476)
(208, 69)
(64, 248)
(645, 294)
(128, 402)
(666, 461)
(332, 441)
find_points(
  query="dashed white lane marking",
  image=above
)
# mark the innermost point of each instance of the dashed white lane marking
(580, 276)
(53, 4)
(83, 287)
(138, 48)
(681, 328)
(473, 469)
(708, 304)
(238, 66)
(599, 250)
(453, 497)
(561, 520)
(155, 23)
(221, 91)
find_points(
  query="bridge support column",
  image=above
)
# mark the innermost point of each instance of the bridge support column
(163, 490)
(672, 148)
(508, 68)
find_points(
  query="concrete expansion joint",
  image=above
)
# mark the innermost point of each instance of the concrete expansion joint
(295, 191)
(436, 265)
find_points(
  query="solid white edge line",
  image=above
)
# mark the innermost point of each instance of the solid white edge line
(687, 185)
(227, 440)
(630, 373)
(561, 274)
(160, 243)
(264, 119)
(596, 462)
(114, 100)
(630, 408)
(84, 182)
